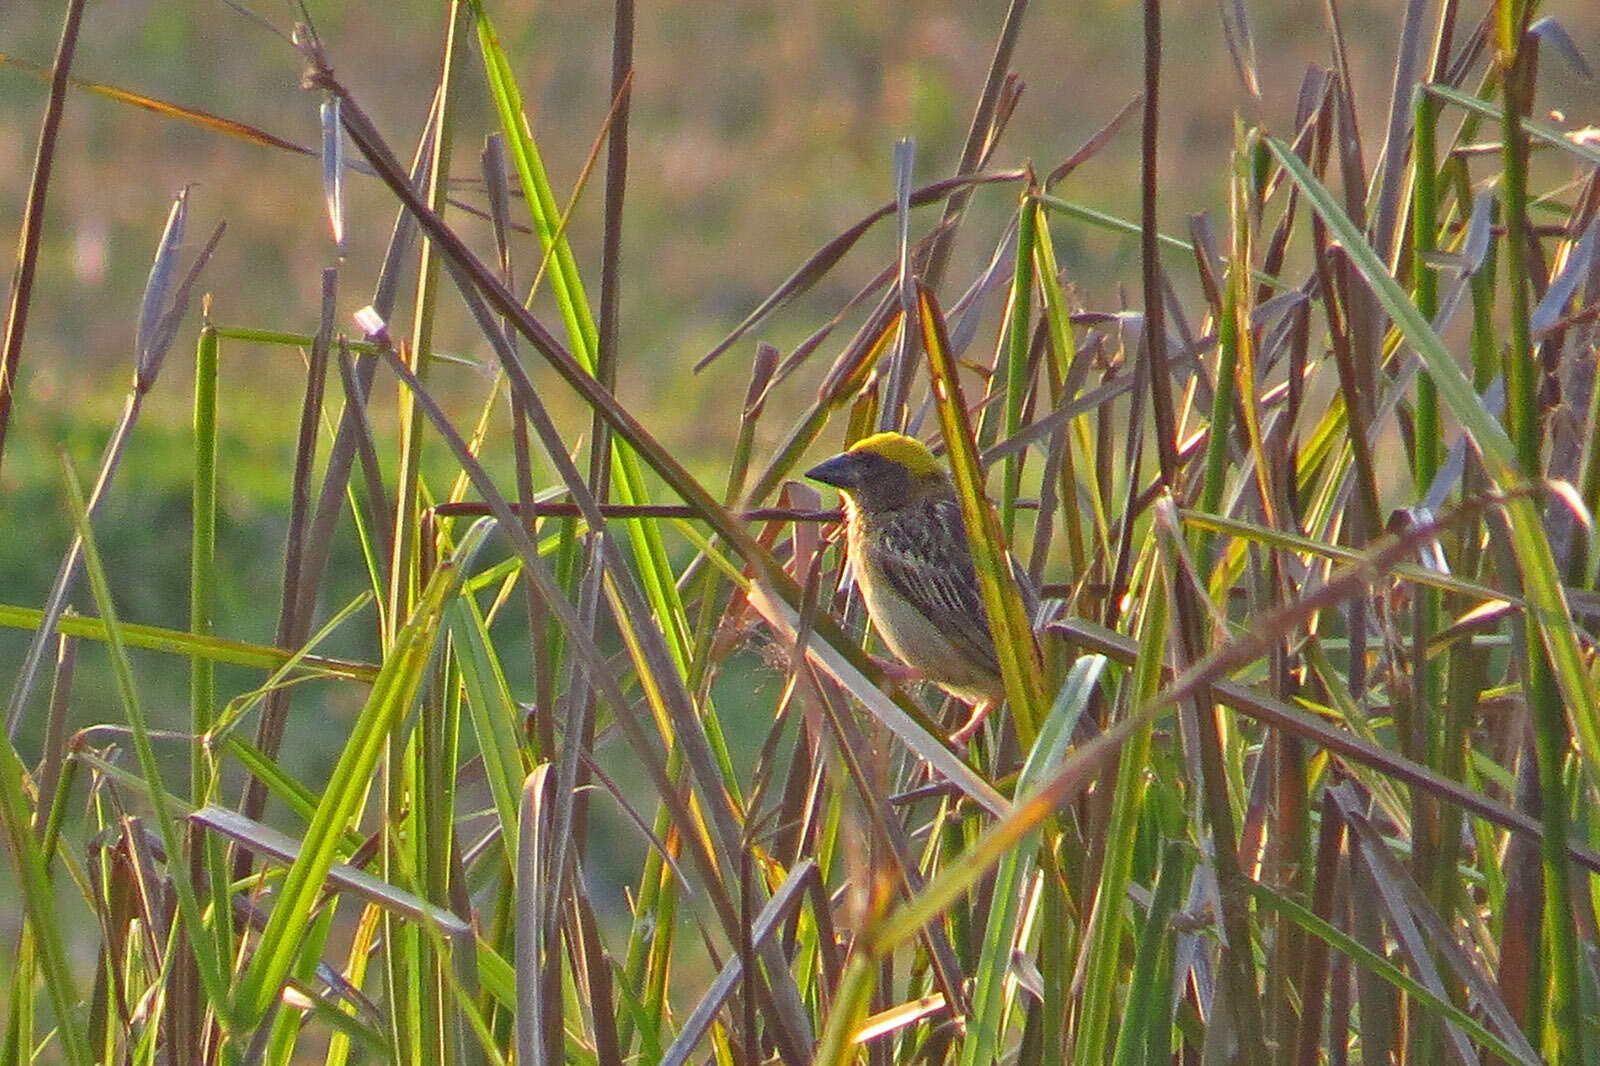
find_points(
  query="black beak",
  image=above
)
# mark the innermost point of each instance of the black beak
(842, 471)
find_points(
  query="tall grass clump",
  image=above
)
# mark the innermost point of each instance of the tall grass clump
(1304, 768)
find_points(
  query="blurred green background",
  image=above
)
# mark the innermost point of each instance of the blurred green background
(758, 132)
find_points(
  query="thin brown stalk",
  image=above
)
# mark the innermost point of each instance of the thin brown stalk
(291, 633)
(1238, 956)
(33, 215)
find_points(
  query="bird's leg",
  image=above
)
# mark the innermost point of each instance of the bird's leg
(898, 672)
(980, 711)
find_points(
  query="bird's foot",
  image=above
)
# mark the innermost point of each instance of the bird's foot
(980, 711)
(899, 672)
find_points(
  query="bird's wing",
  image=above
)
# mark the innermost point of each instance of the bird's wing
(924, 557)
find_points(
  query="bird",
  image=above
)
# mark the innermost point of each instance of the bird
(907, 544)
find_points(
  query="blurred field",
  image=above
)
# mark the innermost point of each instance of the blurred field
(758, 132)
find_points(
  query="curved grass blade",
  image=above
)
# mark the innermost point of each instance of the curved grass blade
(284, 851)
(1127, 228)
(1583, 148)
(166, 108)
(1256, 533)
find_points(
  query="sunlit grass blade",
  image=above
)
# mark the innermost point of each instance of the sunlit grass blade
(845, 663)
(284, 851)
(1008, 620)
(1256, 533)
(1019, 338)
(653, 568)
(1057, 318)
(168, 109)
(824, 259)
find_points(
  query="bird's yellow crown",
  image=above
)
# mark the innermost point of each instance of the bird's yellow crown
(901, 450)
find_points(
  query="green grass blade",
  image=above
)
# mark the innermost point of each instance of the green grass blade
(38, 904)
(391, 697)
(1547, 606)
(1342, 942)
(1019, 336)
(545, 209)
(1146, 1017)
(494, 714)
(177, 642)
(212, 969)
(990, 1002)
(1107, 924)
(653, 568)
(1063, 340)
(203, 554)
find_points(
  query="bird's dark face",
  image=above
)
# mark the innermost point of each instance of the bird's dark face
(873, 482)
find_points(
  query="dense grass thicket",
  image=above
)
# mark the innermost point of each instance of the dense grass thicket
(1298, 761)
